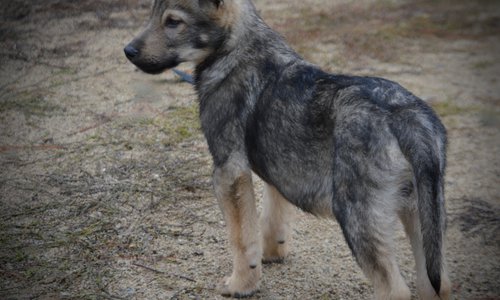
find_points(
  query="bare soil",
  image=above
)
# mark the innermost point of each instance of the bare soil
(105, 178)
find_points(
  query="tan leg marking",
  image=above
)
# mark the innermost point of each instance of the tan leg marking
(276, 218)
(390, 285)
(237, 202)
(375, 255)
(424, 287)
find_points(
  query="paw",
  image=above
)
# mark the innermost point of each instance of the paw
(236, 288)
(275, 253)
(273, 260)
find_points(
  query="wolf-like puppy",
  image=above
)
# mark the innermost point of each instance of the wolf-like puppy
(360, 149)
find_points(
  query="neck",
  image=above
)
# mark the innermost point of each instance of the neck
(248, 41)
(236, 18)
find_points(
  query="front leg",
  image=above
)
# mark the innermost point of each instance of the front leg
(277, 216)
(235, 194)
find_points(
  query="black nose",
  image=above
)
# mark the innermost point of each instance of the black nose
(130, 51)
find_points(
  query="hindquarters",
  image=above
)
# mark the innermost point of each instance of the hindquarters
(388, 161)
(422, 139)
(370, 180)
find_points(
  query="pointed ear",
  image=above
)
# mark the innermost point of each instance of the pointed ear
(216, 3)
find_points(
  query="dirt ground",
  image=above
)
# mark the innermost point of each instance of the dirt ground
(105, 188)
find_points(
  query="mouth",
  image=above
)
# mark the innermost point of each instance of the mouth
(157, 68)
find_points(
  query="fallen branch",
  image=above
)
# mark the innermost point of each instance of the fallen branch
(6, 148)
(163, 272)
(38, 85)
(104, 119)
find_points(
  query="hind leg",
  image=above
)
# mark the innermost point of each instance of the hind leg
(411, 223)
(234, 191)
(368, 232)
(276, 218)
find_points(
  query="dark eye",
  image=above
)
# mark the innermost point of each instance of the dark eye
(172, 23)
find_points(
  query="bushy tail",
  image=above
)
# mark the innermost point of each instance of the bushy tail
(422, 139)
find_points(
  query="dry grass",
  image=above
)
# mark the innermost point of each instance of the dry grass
(384, 29)
(105, 190)
(71, 208)
(65, 222)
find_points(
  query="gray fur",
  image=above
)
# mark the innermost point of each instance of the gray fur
(361, 149)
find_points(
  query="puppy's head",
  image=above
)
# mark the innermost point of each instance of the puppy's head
(179, 31)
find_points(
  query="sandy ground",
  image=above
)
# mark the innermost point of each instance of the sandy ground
(105, 188)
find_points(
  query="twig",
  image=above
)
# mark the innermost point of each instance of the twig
(4, 86)
(37, 85)
(109, 295)
(163, 272)
(103, 121)
(6, 148)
